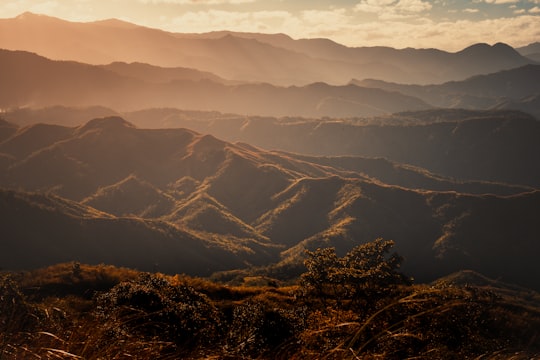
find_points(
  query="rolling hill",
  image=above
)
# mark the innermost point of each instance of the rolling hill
(236, 205)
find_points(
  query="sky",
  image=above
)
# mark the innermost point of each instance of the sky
(445, 24)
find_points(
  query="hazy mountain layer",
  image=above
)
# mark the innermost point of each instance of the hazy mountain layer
(32, 80)
(276, 59)
(511, 87)
(225, 206)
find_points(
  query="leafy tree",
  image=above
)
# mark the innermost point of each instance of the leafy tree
(367, 271)
(321, 266)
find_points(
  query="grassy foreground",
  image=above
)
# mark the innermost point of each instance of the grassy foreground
(73, 311)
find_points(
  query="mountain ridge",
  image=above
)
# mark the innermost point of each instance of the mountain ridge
(295, 62)
(33, 80)
(240, 205)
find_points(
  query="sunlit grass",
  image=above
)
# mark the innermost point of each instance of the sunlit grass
(122, 313)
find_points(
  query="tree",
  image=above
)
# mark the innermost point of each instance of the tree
(321, 267)
(367, 271)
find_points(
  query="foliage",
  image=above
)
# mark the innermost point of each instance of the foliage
(365, 272)
(150, 306)
(155, 316)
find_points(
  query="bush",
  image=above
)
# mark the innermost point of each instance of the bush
(366, 272)
(256, 329)
(151, 307)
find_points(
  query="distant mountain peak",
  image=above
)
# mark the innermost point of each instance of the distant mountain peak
(109, 123)
(115, 23)
(483, 49)
(33, 17)
(29, 15)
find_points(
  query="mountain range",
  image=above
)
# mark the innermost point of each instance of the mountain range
(30, 80)
(511, 89)
(107, 190)
(494, 145)
(233, 153)
(276, 59)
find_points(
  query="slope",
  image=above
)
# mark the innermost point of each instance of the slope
(436, 232)
(66, 231)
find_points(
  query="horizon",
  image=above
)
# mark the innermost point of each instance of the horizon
(449, 26)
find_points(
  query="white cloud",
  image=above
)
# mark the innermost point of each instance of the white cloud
(449, 35)
(501, 1)
(535, 10)
(472, 11)
(392, 9)
(196, 2)
(373, 6)
(213, 20)
(413, 6)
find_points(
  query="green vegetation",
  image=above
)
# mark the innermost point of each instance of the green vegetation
(359, 306)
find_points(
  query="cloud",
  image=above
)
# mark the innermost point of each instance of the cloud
(535, 10)
(501, 1)
(472, 11)
(392, 9)
(373, 6)
(213, 20)
(449, 35)
(412, 6)
(195, 2)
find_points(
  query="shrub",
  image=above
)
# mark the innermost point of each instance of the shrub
(366, 272)
(151, 307)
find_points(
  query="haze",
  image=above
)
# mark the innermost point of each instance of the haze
(448, 25)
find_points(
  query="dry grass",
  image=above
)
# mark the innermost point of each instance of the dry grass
(45, 314)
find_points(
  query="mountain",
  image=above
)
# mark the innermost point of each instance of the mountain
(131, 197)
(156, 74)
(63, 230)
(276, 59)
(531, 51)
(226, 206)
(55, 115)
(528, 104)
(32, 80)
(7, 129)
(478, 92)
(493, 145)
